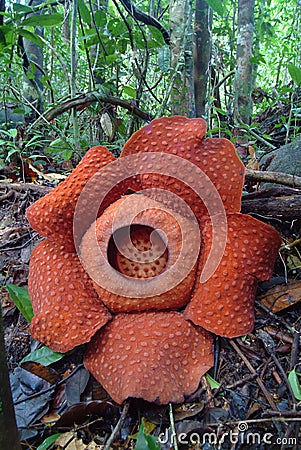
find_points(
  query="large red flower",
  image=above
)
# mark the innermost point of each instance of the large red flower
(145, 255)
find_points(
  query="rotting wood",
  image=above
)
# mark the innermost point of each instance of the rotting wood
(278, 202)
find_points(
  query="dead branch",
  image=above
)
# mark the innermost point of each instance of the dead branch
(273, 177)
(23, 187)
(91, 97)
(282, 203)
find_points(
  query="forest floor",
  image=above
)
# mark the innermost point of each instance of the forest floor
(252, 405)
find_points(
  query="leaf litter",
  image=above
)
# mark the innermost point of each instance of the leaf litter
(256, 381)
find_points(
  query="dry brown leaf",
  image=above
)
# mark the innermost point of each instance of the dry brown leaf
(69, 441)
(253, 162)
(52, 177)
(281, 296)
(107, 125)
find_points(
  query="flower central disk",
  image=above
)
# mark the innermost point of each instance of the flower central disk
(138, 252)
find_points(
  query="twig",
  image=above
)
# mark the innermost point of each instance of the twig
(292, 244)
(269, 346)
(252, 370)
(247, 129)
(287, 326)
(118, 425)
(222, 387)
(273, 177)
(218, 85)
(8, 195)
(11, 249)
(50, 388)
(295, 351)
(261, 420)
(26, 187)
(173, 428)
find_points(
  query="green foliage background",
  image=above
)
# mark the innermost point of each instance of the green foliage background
(119, 56)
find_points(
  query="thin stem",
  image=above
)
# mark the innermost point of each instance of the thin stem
(73, 61)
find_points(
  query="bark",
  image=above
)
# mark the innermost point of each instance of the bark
(202, 54)
(280, 203)
(9, 437)
(33, 87)
(273, 177)
(181, 48)
(244, 52)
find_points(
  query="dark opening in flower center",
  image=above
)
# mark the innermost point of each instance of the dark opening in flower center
(137, 251)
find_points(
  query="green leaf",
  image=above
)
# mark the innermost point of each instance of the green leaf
(295, 384)
(11, 133)
(84, 12)
(295, 73)
(7, 34)
(48, 442)
(44, 20)
(66, 154)
(117, 27)
(19, 111)
(131, 92)
(157, 37)
(111, 59)
(31, 37)
(21, 299)
(43, 355)
(146, 441)
(217, 6)
(17, 7)
(212, 383)
(100, 18)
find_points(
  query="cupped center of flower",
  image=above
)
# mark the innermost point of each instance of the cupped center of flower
(137, 251)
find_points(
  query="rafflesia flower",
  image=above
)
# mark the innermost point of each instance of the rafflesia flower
(144, 256)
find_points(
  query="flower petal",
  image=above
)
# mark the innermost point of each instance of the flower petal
(183, 137)
(52, 215)
(224, 304)
(159, 357)
(167, 286)
(67, 309)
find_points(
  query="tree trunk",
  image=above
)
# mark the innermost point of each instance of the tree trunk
(9, 436)
(97, 50)
(32, 86)
(202, 54)
(2, 9)
(181, 48)
(244, 51)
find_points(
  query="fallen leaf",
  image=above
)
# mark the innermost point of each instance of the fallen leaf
(51, 177)
(29, 408)
(253, 162)
(80, 412)
(69, 441)
(41, 371)
(281, 296)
